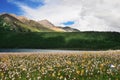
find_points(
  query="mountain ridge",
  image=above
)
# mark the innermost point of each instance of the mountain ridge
(48, 24)
(22, 24)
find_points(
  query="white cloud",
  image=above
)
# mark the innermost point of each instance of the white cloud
(89, 15)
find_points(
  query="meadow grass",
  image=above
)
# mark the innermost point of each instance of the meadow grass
(60, 66)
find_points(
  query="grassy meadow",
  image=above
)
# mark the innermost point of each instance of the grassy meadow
(60, 66)
(60, 40)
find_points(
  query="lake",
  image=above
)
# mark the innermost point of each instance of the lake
(35, 50)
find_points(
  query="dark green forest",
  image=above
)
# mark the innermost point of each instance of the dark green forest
(61, 40)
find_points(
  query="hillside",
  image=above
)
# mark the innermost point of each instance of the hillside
(49, 25)
(55, 40)
(13, 23)
(69, 29)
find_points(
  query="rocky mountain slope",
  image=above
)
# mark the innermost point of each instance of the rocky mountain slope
(11, 22)
(69, 29)
(49, 25)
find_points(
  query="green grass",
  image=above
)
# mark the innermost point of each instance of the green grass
(32, 29)
(55, 40)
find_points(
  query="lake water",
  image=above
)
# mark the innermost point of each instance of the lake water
(34, 50)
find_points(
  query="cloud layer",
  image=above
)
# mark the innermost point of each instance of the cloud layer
(88, 15)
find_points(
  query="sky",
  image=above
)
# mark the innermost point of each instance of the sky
(85, 15)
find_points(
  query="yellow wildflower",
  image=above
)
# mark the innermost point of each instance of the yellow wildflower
(78, 72)
(58, 73)
(82, 72)
(68, 62)
(53, 74)
(61, 77)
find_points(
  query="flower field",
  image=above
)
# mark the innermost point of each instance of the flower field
(60, 66)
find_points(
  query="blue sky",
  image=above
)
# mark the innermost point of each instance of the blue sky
(9, 6)
(68, 23)
(5, 6)
(103, 15)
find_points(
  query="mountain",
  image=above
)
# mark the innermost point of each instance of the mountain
(16, 24)
(11, 22)
(21, 18)
(49, 25)
(69, 29)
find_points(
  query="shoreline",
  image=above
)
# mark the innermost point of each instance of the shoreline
(63, 52)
